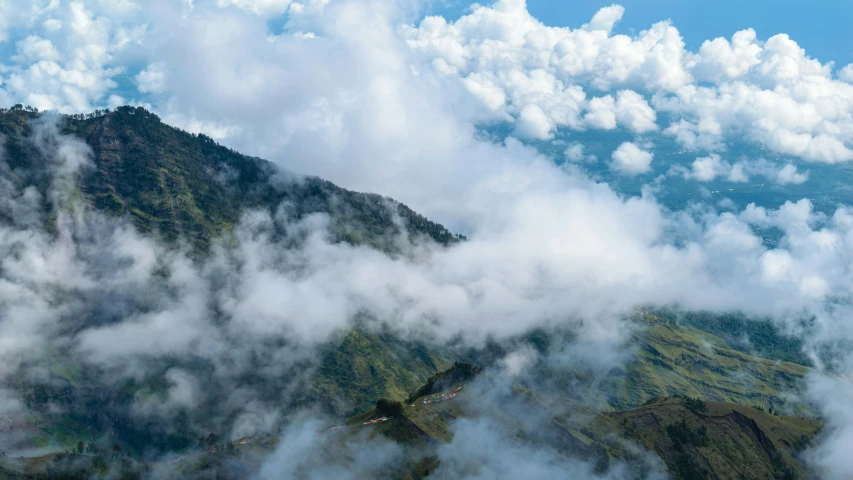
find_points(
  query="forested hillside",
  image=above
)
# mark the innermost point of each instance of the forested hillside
(177, 184)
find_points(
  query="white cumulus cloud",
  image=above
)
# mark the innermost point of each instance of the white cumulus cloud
(629, 159)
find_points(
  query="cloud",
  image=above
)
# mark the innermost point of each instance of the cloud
(770, 92)
(575, 153)
(69, 64)
(846, 73)
(302, 453)
(516, 362)
(501, 63)
(712, 167)
(464, 180)
(533, 123)
(830, 458)
(606, 18)
(787, 125)
(481, 449)
(514, 68)
(706, 169)
(629, 109)
(720, 59)
(789, 175)
(36, 49)
(629, 159)
(152, 79)
(476, 288)
(258, 7)
(506, 434)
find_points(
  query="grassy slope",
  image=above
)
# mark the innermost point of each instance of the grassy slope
(679, 360)
(755, 336)
(670, 360)
(742, 442)
(366, 366)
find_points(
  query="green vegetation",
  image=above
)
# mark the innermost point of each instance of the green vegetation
(682, 435)
(460, 372)
(694, 438)
(679, 360)
(176, 184)
(760, 337)
(391, 408)
(368, 365)
(724, 442)
(65, 466)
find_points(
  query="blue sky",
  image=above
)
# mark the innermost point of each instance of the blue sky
(767, 93)
(819, 26)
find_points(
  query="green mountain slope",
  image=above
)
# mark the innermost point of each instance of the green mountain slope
(679, 360)
(721, 440)
(365, 366)
(694, 439)
(755, 336)
(174, 185)
(178, 184)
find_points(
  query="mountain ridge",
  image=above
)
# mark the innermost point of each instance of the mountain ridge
(167, 180)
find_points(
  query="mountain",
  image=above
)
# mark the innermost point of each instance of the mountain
(179, 187)
(174, 183)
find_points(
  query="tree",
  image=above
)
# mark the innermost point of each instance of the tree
(80, 447)
(696, 404)
(390, 408)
